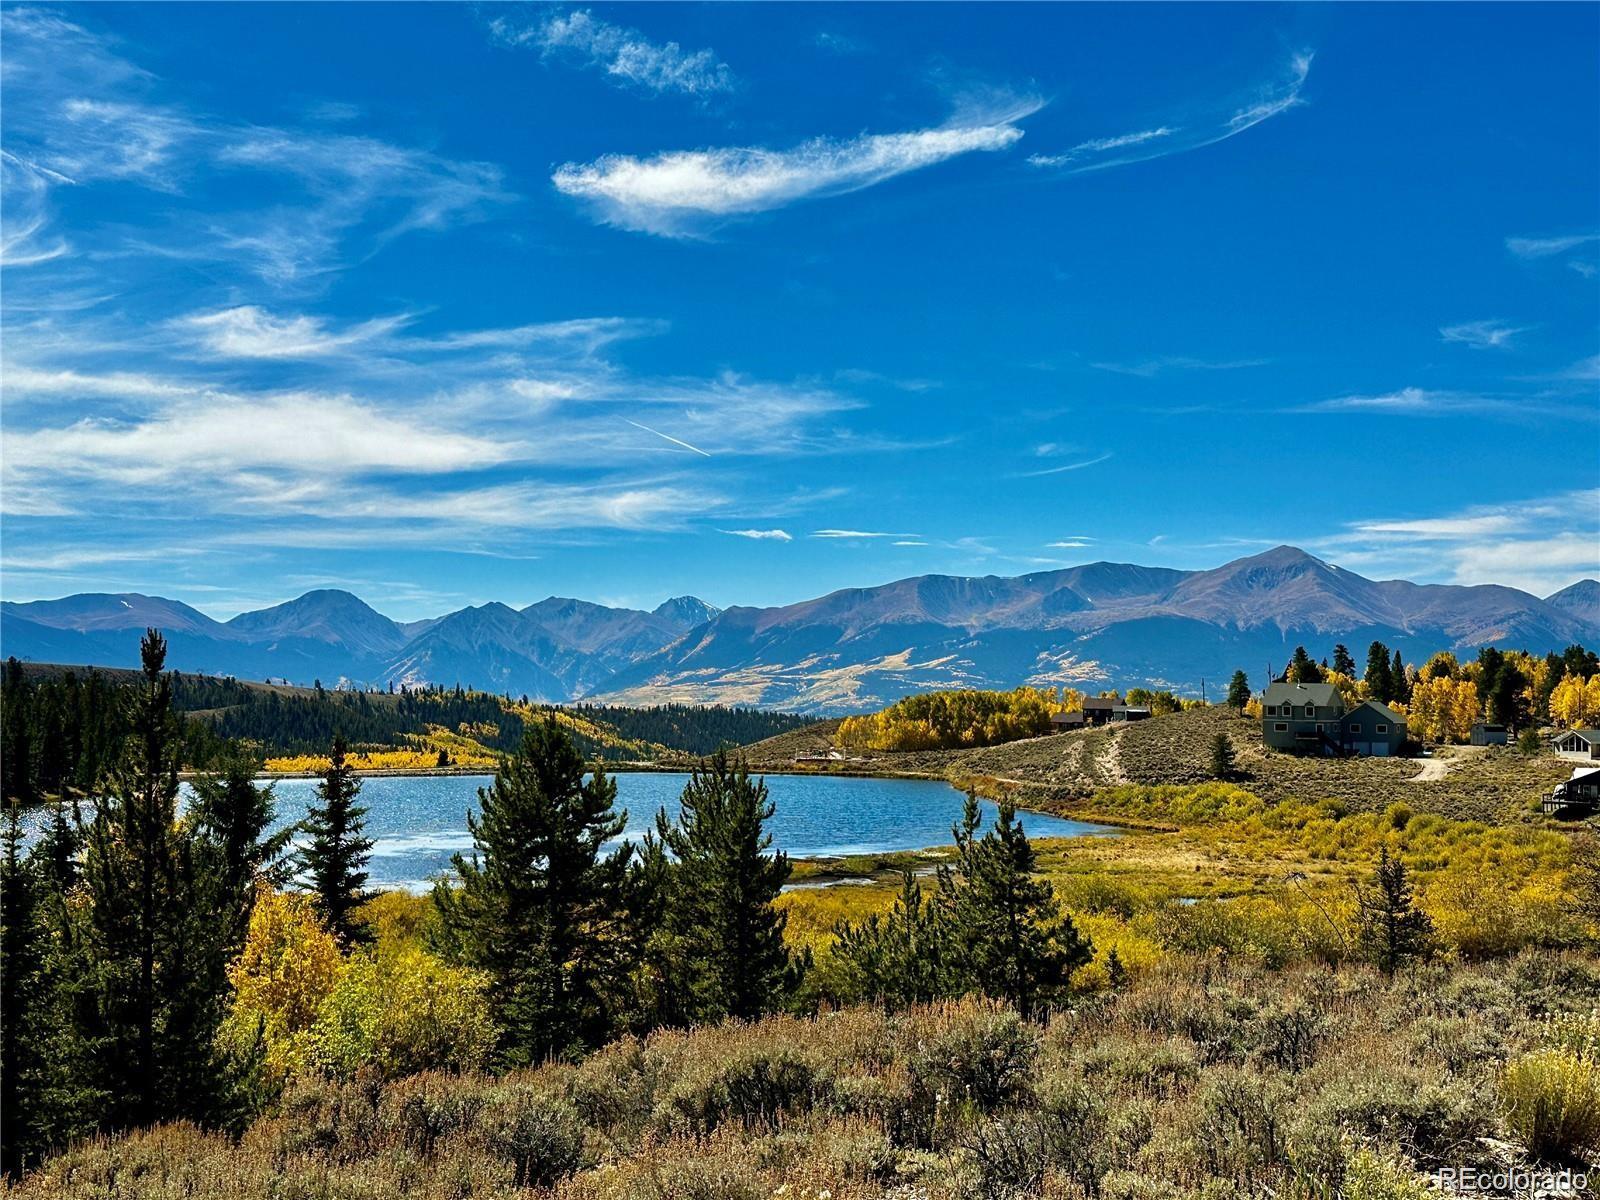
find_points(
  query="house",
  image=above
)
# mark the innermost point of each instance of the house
(1310, 718)
(1578, 745)
(1061, 722)
(1577, 797)
(1124, 713)
(1098, 712)
(1373, 730)
(1485, 734)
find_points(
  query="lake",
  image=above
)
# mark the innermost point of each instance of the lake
(418, 822)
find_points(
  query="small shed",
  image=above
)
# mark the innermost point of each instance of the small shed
(1485, 734)
(1578, 745)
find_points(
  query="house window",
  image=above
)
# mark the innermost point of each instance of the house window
(1381, 728)
(1311, 710)
(1356, 727)
(1281, 727)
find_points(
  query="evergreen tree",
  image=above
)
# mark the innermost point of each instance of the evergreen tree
(1224, 766)
(1008, 937)
(539, 906)
(1302, 669)
(720, 898)
(1399, 687)
(1342, 662)
(1380, 685)
(16, 764)
(1508, 702)
(148, 1010)
(896, 958)
(334, 860)
(1239, 691)
(21, 985)
(1394, 930)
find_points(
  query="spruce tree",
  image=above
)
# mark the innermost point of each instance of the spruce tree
(1239, 691)
(1342, 662)
(1379, 681)
(1394, 930)
(1302, 669)
(540, 905)
(896, 958)
(1223, 764)
(1399, 688)
(1008, 937)
(21, 986)
(334, 859)
(723, 885)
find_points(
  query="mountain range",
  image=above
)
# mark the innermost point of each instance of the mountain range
(1099, 625)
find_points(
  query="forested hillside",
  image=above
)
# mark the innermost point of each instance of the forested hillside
(62, 727)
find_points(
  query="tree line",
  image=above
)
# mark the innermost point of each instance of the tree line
(133, 937)
(60, 732)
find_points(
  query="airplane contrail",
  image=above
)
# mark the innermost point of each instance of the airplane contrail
(668, 437)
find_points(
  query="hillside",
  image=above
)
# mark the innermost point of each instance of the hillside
(1093, 626)
(1061, 772)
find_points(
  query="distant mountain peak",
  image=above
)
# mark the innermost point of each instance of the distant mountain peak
(685, 612)
(1581, 599)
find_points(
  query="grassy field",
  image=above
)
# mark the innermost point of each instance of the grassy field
(1203, 1079)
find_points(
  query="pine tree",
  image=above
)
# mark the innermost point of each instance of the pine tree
(334, 859)
(1302, 669)
(1399, 688)
(896, 958)
(1239, 691)
(1224, 766)
(21, 985)
(722, 890)
(539, 906)
(1008, 937)
(1379, 680)
(1394, 930)
(1342, 662)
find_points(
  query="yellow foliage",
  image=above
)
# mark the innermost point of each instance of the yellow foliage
(1575, 703)
(1443, 709)
(947, 720)
(1442, 665)
(287, 968)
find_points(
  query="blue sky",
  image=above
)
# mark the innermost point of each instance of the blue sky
(449, 303)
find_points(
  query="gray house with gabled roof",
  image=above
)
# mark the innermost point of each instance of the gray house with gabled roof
(1310, 718)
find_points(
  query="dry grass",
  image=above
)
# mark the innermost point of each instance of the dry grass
(1201, 1081)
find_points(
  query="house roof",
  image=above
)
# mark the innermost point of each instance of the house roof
(1591, 736)
(1381, 711)
(1094, 704)
(1323, 695)
(1067, 718)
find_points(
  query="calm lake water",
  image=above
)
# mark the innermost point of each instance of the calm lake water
(418, 822)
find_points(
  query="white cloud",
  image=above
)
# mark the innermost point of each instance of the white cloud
(1538, 545)
(762, 535)
(674, 193)
(1547, 247)
(1205, 126)
(1482, 335)
(860, 533)
(1073, 544)
(624, 54)
(251, 332)
(1425, 402)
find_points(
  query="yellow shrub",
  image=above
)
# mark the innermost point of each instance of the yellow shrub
(1551, 1100)
(287, 968)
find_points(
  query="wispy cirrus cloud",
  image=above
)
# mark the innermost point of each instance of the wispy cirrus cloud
(248, 331)
(626, 55)
(1435, 402)
(678, 193)
(1204, 125)
(78, 114)
(761, 535)
(1482, 335)
(1065, 467)
(1539, 545)
(1548, 247)
(860, 534)
(1151, 367)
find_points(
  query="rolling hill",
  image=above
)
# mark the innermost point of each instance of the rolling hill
(1094, 626)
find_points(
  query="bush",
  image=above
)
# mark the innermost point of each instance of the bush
(754, 1085)
(1551, 1100)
